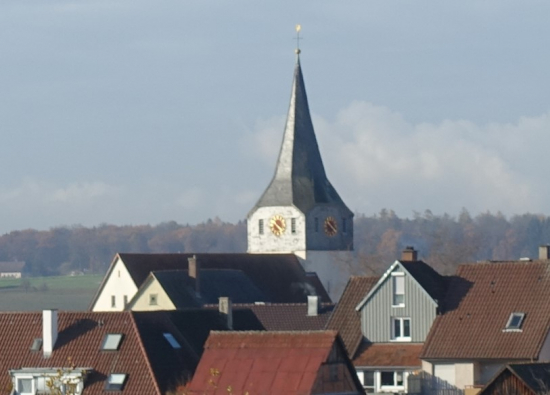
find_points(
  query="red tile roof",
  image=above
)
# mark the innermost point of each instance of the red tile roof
(152, 364)
(262, 362)
(479, 302)
(80, 337)
(384, 354)
(345, 319)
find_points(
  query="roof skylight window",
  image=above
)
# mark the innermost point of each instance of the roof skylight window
(173, 342)
(115, 381)
(515, 321)
(36, 344)
(111, 342)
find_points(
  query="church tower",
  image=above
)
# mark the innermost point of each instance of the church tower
(300, 212)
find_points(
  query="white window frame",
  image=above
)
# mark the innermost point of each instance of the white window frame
(394, 387)
(25, 377)
(361, 374)
(401, 337)
(397, 276)
(516, 328)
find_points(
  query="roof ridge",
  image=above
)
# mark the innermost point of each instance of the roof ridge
(143, 350)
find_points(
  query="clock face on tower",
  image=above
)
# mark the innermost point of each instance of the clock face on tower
(277, 224)
(331, 227)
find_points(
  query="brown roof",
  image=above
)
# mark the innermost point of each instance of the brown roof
(280, 317)
(152, 364)
(384, 354)
(479, 302)
(11, 267)
(345, 319)
(262, 362)
(279, 276)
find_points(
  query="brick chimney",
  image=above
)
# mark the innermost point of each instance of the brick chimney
(312, 305)
(544, 252)
(193, 270)
(225, 307)
(49, 331)
(409, 254)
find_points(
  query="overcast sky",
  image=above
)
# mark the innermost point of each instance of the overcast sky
(136, 112)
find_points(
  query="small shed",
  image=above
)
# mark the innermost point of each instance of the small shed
(11, 269)
(520, 379)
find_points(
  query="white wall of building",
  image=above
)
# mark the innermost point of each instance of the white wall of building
(118, 285)
(144, 300)
(267, 242)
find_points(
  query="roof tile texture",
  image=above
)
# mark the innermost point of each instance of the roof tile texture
(479, 302)
(384, 354)
(262, 362)
(345, 319)
(80, 337)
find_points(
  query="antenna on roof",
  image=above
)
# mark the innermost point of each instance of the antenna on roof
(297, 50)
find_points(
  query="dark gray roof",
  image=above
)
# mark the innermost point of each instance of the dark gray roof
(300, 178)
(433, 283)
(281, 277)
(11, 267)
(213, 283)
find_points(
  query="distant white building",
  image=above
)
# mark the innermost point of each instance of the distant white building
(11, 269)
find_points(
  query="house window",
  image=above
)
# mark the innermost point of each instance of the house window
(293, 226)
(261, 226)
(113, 301)
(24, 386)
(515, 321)
(398, 280)
(366, 378)
(153, 299)
(316, 224)
(392, 379)
(401, 328)
(115, 382)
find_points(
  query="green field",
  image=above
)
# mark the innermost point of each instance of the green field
(63, 293)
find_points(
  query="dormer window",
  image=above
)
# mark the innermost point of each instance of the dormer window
(111, 342)
(515, 321)
(398, 289)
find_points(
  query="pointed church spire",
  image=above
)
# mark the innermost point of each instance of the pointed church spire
(300, 178)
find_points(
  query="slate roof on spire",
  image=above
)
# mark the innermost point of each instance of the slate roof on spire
(300, 178)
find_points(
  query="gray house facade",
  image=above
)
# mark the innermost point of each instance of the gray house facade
(395, 317)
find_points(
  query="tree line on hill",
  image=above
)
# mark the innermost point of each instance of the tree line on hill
(444, 241)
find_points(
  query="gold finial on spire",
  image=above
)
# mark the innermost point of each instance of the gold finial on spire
(297, 50)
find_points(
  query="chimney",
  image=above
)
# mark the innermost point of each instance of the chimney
(225, 308)
(312, 305)
(193, 270)
(544, 252)
(49, 331)
(409, 254)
